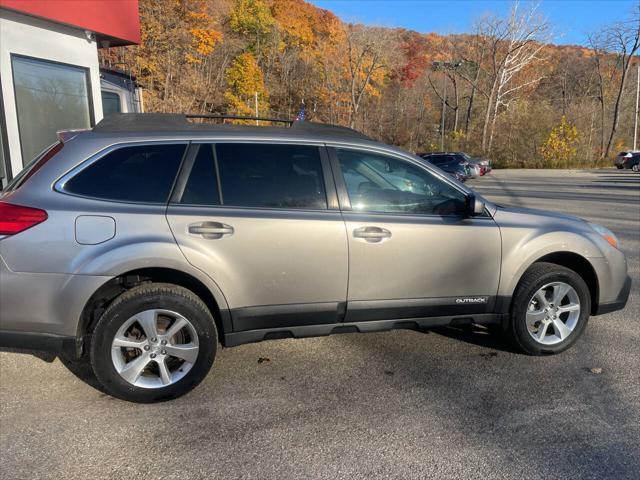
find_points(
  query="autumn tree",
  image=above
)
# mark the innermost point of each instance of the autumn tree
(252, 19)
(560, 148)
(514, 44)
(244, 82)
(177, 40)
(623, 38)
(366, 57)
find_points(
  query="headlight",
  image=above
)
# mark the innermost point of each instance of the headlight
(605, 233)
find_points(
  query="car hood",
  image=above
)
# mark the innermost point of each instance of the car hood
(539, 213)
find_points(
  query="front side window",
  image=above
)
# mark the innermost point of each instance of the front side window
(49, 97)
(271, 176)
(382, 184)
(143, 173)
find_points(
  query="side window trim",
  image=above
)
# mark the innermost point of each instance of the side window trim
(59, 184)
(338, 177)
(343, 195)
(214, 149)
(183, 173)
(329, 179)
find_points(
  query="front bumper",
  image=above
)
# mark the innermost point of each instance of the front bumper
(619, 303)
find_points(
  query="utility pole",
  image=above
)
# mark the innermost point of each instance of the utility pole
(444, 110)
(635, 123)
(255, 97)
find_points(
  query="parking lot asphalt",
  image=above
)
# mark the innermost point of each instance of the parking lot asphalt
(402, 404)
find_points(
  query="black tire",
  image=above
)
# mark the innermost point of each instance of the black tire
(538, 275)
(619, 167)
(138, 299)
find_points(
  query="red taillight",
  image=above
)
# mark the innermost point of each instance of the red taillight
(16, 218)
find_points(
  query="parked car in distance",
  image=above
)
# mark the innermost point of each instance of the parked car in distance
(140, 245)
(454, 165)
(475, 170)
(621, 157)
(632, 162)
(483, 164)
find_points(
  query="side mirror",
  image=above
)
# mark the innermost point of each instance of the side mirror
(475, 206)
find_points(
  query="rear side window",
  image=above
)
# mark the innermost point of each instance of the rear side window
(142, 174)
(271, 176)
(438, 159)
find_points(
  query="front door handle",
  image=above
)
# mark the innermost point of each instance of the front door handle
(372, 234)
(210, 230)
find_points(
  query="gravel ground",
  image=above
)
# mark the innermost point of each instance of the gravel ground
(447, 404)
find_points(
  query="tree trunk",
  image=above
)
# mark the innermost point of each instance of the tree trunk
(470, 105)
(456, 108)
(487, 114)
(616, 108)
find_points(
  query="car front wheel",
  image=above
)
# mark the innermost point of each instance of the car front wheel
(154, 342)
(550, 309)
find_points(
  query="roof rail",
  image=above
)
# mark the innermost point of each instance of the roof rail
(169, 122)
(238, 117)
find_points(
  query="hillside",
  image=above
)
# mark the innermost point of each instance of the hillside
(509, 95)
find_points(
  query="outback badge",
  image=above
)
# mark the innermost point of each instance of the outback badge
(472, 300)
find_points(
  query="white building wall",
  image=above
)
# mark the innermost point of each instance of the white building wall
(29, 36)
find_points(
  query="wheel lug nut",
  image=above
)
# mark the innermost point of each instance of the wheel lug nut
(147, 347)
(163, 342)
(153, 355)
(154, 339)
(164, 352)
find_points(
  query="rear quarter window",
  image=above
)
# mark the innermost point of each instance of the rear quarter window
(142, 174)
(33, 166)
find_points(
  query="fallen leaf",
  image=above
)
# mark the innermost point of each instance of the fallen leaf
(263, 360)
(597, 371)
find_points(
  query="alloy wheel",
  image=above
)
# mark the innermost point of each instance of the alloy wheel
(154, 348)
(553, 313)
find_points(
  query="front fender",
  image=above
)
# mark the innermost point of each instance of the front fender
(520, 253)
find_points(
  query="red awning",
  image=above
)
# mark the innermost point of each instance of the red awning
(116, 21)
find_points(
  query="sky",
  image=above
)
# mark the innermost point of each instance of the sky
(571, 20)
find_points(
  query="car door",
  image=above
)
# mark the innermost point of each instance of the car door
(413, 251)
(262, 220)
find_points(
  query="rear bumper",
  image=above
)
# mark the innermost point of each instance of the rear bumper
(620, 302)
(44, 303)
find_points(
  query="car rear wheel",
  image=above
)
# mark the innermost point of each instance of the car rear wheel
(550, 309)
(154, 342)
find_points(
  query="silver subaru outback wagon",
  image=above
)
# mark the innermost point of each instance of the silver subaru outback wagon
(140, 245)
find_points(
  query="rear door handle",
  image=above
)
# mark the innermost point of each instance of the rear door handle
(210, 230)
(372, 234)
